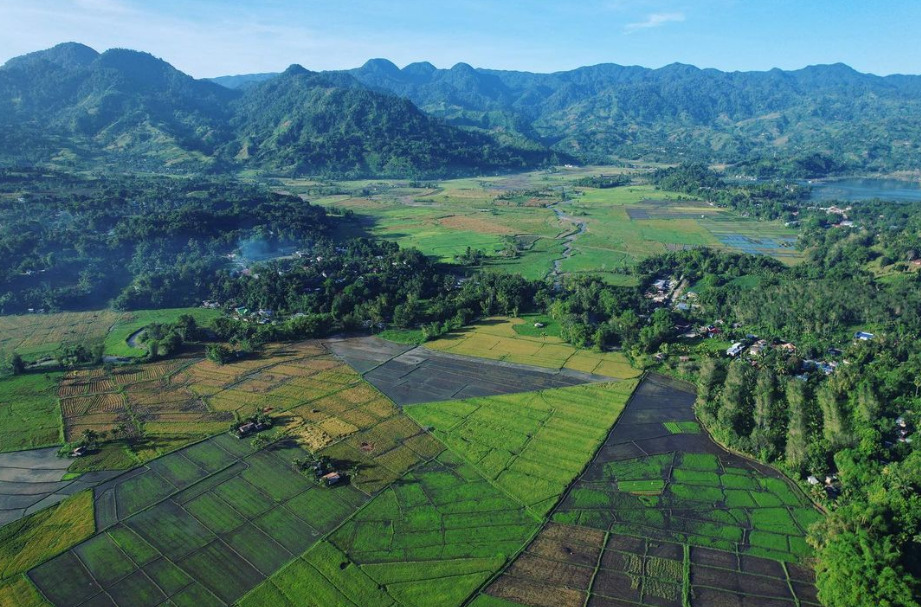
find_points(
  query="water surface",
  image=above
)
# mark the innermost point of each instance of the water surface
(855, 190)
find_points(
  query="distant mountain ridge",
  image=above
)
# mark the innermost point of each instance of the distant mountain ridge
(72, 106)
(677, 111)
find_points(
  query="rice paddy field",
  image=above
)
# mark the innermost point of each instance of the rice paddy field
(536, 211)
(602, 493)
(201, 526)
(513, 340)
(35, 336)
(29, 412)
(663, 516)
(533, 444)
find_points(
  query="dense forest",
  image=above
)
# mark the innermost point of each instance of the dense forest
(71, 242)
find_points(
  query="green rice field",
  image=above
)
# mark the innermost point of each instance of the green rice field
(532, 444)
(496, 215)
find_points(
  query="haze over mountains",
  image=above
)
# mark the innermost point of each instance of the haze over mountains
(70, 104)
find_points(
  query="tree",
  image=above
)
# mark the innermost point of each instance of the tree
(16, 365)
(735, 406)
(835, 423)
(767, 426)
(219, 353)
(89, 438)
(260, 441)
(798, 427)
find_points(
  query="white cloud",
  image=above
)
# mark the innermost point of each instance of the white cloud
(655, 20)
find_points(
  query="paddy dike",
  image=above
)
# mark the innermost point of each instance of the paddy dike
(411, 375)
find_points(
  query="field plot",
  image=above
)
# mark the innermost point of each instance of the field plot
(623, 225)
(497, 339)
(201, 526)
(649, 481)
(531, 445)
(151, 404)
(627, 224)
(33, 480)
(570, 565)
(437, 534)
(29, 414)
(36, 335)
(770, 239)
(421, 375)
(681, 521)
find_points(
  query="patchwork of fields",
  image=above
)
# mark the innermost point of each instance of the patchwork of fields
(531, 445)
(201, 526)
(419, 375)
(623, 225)
(507, 499)
(664, 517)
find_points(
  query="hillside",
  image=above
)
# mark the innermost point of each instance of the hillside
(73, 107)
(678, 110)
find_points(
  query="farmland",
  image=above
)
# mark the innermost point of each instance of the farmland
(503, 339)
(36, 336)
(667, 518)
(533, 444)
(534, 213)
(29, 414)
(481, 504)
(430, 539)
(163, 529)
(419, 375)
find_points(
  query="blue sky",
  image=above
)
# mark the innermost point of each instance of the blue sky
(218, 37)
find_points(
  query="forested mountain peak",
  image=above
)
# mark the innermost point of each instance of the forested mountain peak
(125, 106)
(65, 55)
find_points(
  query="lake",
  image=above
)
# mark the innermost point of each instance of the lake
(854, 190)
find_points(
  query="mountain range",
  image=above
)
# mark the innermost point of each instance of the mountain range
(70, 104)
(858, 121)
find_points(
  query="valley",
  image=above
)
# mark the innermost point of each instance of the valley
(416, 337)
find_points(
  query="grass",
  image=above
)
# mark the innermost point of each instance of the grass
(19, 591)
(500, 339)
(532, 444)
(38, 537)
(29, 414)
(410, 337)
(116, 342)
(682, 427)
